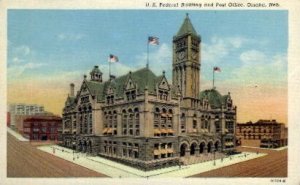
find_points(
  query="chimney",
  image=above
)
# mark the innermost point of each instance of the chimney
(72, 90)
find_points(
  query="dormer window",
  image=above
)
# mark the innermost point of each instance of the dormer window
(163, 95)
(130, 89)
(131, 95)
(110, 99)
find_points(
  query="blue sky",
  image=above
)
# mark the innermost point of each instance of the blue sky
(59, 46)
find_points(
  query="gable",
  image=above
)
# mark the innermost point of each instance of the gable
(84, 90)
(110, 90)
(163, 84)
(130, 84)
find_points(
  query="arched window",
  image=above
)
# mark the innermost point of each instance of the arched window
(137, 121)
(91, 122)
(157, 118)
(163, 118)
(182, 123)
(124, 122)
(115, 123)
(130, 121)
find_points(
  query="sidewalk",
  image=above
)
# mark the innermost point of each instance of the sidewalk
(277, 149)
(16, 134)
(117, 170)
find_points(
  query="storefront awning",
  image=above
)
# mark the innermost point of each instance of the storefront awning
(170, 131)
(163, 115)
(109, 130)
(163, 131)
(163, 151)
(156, 131)
(194, 130)
(170, 150)
(104, 130)
(156, 152)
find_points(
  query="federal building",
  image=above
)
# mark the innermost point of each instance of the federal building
(144, 120)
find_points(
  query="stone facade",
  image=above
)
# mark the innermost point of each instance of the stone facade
(142, 120)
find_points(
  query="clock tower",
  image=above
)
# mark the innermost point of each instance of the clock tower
(186, 60)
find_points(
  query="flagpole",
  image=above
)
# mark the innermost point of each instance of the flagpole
(147, 65)
(109, 70)
(213, 78)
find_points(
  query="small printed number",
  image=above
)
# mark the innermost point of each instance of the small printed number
(278, 180)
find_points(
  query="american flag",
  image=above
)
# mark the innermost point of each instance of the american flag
(153, 40)
(217, 69)
(113, 58)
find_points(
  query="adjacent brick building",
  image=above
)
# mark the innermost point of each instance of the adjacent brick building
(42, 127)
(8, 119)
(264, 133)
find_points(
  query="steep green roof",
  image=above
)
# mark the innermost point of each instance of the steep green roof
(94, 87)
(142, 78)
(186, 27)
(215, 99)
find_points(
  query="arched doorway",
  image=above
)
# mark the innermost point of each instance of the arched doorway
(217, 145)
(183, 149)
(80, 145)
(209, 146)
(84, 146)
(90, 146)
(193, 149)
(202, 146)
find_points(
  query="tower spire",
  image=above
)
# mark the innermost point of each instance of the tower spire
(187, 27)
(186, 60)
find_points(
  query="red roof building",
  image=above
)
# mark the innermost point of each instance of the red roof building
(8, 119)
(43, 127)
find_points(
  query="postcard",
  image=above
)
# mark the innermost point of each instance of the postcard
(185, 92)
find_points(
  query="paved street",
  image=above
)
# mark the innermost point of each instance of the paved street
(272, 165)
(25, 160)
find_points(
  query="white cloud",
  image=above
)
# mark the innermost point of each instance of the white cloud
(21, 58)
(253, 56)
(259, 68)
(70, 36)
(19, 54)
(17, 60)
(16, 71)
(22, 50)
(220, 47)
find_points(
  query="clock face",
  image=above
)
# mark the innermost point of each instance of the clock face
(181, 55)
